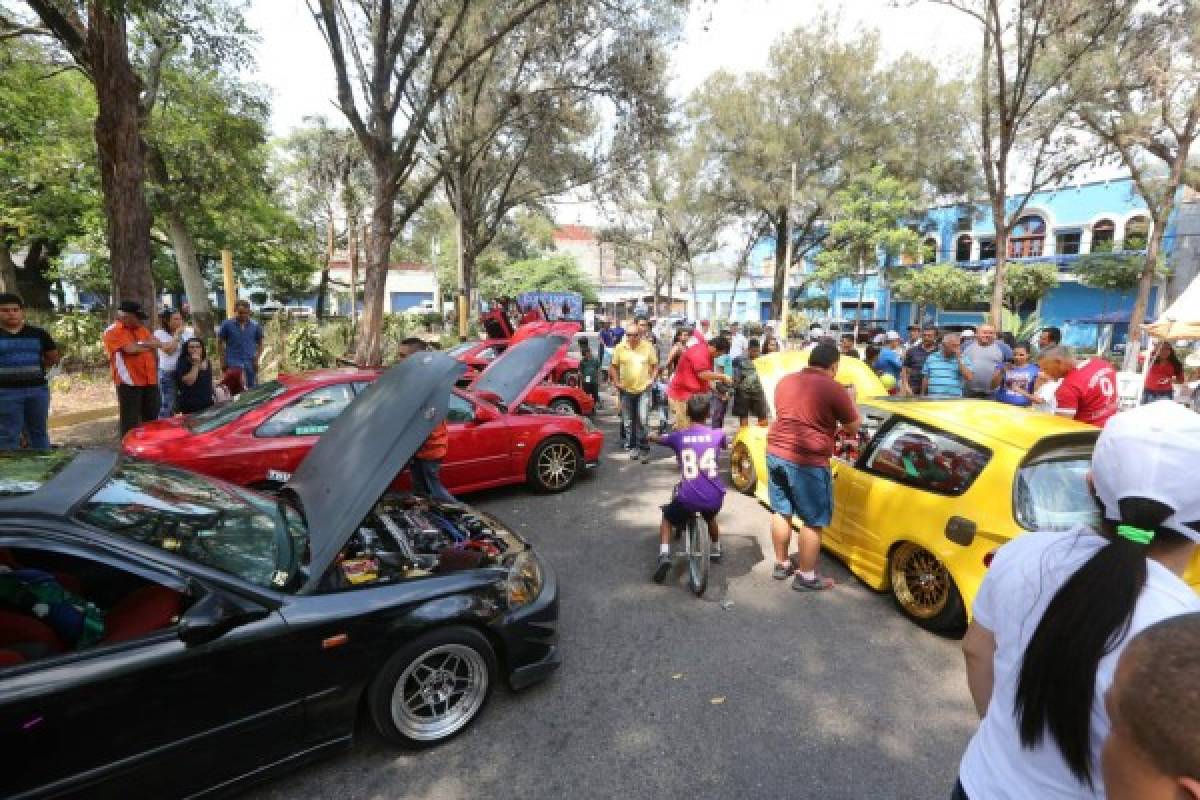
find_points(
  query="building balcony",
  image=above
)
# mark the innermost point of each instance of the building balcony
(1064, 263)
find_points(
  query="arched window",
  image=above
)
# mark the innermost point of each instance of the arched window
(929, 251)
(1102, 236)
(1027, 237)
(1137, 233)
(962, 249)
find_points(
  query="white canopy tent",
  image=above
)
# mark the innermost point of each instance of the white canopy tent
(1181, 320)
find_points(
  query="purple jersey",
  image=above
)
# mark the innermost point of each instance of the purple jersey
(700, 488)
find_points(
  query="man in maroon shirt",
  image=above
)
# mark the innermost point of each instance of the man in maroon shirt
(693, 375)
(809, 407)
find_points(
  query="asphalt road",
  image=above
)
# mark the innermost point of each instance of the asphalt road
(753, 691)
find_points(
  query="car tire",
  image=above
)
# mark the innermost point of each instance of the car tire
(561, 405)
(741, 469)
(924, 589)
(555, 465)
(445, 657)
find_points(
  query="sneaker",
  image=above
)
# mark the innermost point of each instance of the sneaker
(783, 572)
(645, 456)
(633, 454)
(714, 553)
(664, 566)
(819, 583)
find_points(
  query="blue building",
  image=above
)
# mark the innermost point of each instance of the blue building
(1056, 226)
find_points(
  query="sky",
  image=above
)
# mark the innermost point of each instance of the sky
(732, 34)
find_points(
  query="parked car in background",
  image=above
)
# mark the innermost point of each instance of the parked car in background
(930, 488)
(478, 355)
(234, 634)
(500, 432)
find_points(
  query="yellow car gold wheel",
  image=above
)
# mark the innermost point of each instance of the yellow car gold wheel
(924, 588)
(741, 469)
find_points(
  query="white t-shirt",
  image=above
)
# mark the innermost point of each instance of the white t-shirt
(167, 361)
(1024, 577)
(737, 345)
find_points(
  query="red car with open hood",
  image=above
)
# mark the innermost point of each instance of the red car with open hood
(500, 431)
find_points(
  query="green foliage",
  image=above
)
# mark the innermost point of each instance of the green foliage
(77, 335)
(306, 350)
(557, 273)
(867, 227)
(940, 285)
(1115, 271)
(1023, 330)
(1026, 282)
(819, 303)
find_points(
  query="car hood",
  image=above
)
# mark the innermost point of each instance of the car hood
(353, 463)
(851, 372)
(523, 366)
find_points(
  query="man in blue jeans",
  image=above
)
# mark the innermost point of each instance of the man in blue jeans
(240, 341)
(26, 352)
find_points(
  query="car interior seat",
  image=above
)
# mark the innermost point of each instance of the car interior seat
(142, 611)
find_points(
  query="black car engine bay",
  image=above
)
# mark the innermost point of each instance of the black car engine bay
(408, 537)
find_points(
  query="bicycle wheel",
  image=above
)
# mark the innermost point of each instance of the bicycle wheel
(698, 551)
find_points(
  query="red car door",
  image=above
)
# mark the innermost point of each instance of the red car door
(480, 453)
(285, 438)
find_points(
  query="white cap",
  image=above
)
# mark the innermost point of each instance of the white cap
(892, 336)
(967, 333)
(1151, 451)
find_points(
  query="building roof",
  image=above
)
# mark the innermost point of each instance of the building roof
(573, 233)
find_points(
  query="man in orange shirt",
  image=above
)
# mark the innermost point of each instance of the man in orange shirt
(131, 355)
(426, 463)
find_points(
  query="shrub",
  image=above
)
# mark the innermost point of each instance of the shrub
(306, 350)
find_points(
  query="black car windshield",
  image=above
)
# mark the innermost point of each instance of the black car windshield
(256, 538)
(218, 416)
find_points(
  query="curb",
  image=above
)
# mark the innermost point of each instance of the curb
(80, 417)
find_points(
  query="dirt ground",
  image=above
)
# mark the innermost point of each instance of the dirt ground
(100, 433)
(81, 392)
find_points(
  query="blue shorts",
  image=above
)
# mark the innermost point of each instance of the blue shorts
(800, 491)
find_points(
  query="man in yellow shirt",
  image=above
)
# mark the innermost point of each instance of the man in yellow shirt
(634, 365)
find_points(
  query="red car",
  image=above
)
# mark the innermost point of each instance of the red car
(478, 355)
(499, 433)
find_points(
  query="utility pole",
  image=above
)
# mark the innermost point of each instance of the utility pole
(787, 262)
(435, 248)
(230, 284)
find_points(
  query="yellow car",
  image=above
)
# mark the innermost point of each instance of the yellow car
(929, 489)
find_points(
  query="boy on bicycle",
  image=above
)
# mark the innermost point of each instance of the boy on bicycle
(700, 489)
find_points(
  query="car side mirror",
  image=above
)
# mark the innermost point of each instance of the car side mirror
(213, 615)
(485, 413)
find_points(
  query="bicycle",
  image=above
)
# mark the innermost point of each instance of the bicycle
(697, 549)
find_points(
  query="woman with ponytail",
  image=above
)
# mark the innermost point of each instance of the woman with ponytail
(1056, 609)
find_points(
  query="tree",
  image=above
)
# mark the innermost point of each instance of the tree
(94, 35)
(867, 234)
(829, 105)
(557, 273)
(567, 101)
(48, 182)
(1026, 282)
(1118, 272)
(399, 59)
(940, 285)
(1030, 51)
(1140, 94)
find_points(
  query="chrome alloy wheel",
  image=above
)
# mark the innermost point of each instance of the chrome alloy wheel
(557, 465)
(440, 692)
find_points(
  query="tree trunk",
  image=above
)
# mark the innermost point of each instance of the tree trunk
(1145, 282)
(189, 270)
(120, 155)
(862, 291)
(779, 289)
(352, 253)
(32, 283)
(1001, 226)
(8, 268)
(369, 351)
(670, 289)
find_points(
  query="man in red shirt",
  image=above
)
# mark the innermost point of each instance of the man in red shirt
(693, 374)
(1088, 391)
(131, 355)
(810, 406)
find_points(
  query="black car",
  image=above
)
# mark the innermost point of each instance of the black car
(167, 634)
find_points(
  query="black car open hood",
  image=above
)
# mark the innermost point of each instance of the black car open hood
(357, 458)
(522, 366)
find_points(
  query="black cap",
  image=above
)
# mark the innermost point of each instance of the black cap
(133, 307)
